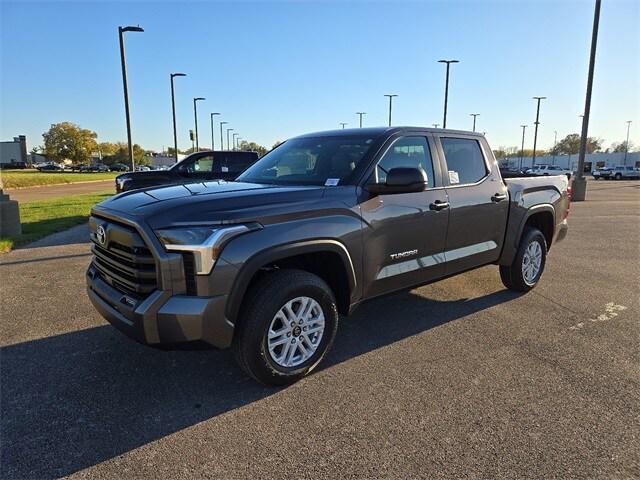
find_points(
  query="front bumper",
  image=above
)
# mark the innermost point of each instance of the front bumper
(161, 318)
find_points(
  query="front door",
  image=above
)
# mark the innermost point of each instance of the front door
(479, 204)
(404, 236)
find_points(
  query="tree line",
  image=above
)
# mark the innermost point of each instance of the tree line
(569, 145)
(68, 141)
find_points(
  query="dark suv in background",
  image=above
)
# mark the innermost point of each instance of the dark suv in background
(197, 167)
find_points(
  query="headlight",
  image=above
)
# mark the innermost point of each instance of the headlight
(205, 243)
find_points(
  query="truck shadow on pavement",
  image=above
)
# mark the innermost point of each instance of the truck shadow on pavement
(74, 400)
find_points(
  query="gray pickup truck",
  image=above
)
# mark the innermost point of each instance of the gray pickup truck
(325, 221)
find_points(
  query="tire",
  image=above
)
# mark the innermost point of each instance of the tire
(264, 306)
(512, 276)
(618, 176)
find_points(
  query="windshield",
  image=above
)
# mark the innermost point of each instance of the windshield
(310, 161)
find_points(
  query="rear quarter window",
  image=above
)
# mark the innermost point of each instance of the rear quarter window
(465, 161)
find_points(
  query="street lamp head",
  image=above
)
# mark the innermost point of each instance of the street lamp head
(223, 123)
(474, 114)
(178, 75)
(196, 99)
(539, 98)
(131, 29)
(388, 95)
(448, 61)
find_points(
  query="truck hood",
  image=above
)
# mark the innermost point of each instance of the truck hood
(217, 202)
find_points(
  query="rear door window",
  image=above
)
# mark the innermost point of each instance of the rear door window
(465, 162)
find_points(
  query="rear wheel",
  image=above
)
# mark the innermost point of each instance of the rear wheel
(618, 176)
(287, 327)
(526, 269)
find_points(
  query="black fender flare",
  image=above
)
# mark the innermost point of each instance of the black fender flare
(279, 252)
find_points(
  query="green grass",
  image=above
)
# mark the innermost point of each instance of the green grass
(33, 178)
(45, 217)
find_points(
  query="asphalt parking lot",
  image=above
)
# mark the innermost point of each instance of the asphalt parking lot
(457, 379)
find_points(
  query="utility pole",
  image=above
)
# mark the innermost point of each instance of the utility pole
(579, 183)
(436, 125)
(343, 124)
(535, 134)
(446, 89)
(195, 115)
(221, 138)
(213, 143)
(361, 114)
(173, 109)
(121, 31)
(474, 115)
(626, 147)
(524, 127)
(234, 140)
(390, 100)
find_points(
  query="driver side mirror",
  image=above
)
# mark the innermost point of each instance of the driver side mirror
(400, 180)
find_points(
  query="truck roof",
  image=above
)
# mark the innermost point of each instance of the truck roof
(377, 131)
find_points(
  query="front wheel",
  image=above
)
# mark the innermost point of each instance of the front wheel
(287, 327)
(618, 176)
(526, 269)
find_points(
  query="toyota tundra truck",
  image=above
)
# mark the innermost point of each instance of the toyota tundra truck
(267, 263)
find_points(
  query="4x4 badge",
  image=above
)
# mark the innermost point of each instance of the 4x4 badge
(101, 235)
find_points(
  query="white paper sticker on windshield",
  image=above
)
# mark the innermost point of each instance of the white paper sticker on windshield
(225, 169)
(453, 177)
(331, 182)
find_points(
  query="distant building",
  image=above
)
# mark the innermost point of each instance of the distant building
(14, 151)
(591, 161)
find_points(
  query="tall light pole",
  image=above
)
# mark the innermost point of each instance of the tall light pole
(474, 115)
(360, 114)
(524, 127)
(626, 146)
(342, 124)
(121, 31)
(195, 116)
(436, 125)
(238, 143)
(221, 138)
(213, 143)
(446, 89)
(390, 101)
(579, 186)
(555, 142)
(535, 134)
(173, 110)
(234, 140)
(228, 145)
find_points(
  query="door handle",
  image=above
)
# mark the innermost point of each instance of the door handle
(439, 205)
(498, 197)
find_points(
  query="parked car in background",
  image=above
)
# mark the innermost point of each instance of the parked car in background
(265, 264)
(51, 167)
(119, 167)
(142, 168)
(549, 170)
(618, 172)
(13, 165)
(198, 167)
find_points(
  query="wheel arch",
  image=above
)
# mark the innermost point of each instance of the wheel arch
(542, 217)
(320, 257)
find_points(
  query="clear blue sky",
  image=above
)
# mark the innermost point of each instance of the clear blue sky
(276, 70)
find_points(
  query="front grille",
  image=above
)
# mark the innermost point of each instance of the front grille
(123, 261)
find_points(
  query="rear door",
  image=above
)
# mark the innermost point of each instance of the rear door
(403, 236)
(478, 202)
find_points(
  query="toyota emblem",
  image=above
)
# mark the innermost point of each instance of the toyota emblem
(101, 235)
